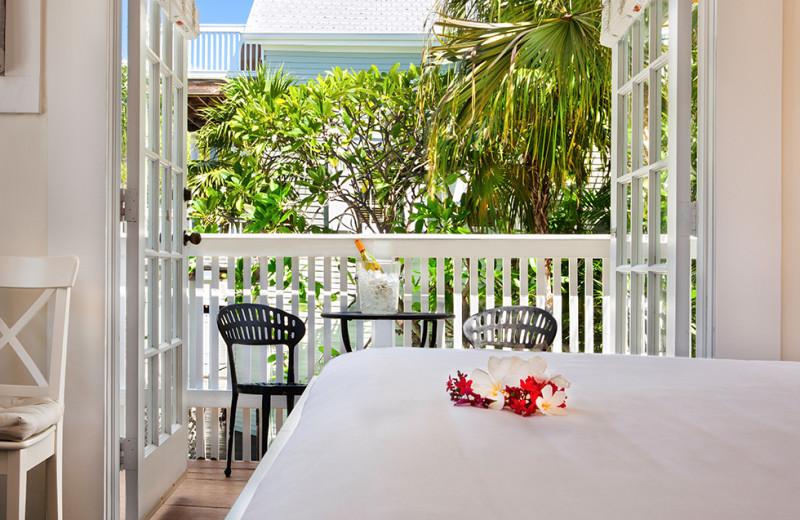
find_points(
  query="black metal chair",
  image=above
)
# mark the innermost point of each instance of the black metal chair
(517, 327)
(249, 324)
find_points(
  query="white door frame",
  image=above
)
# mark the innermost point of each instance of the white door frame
(638, 256)
(155, 447)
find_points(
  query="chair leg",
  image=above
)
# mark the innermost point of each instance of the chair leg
(54, 482)
(266, 408)
(16, 486)
(231, 425)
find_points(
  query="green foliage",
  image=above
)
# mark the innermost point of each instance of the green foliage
(525, 107)
(276, 147)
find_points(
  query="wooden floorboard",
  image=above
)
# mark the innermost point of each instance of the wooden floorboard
(205, 493)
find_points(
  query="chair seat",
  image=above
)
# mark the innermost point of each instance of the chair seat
(23, 417)
(272, 388)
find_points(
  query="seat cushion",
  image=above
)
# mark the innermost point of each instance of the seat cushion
(22, 417)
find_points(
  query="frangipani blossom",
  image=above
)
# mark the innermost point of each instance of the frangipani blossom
(521, 385)
(503, 371)
(537, 367)
(560, 381)
(550, 403)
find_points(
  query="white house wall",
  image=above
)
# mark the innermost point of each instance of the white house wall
(308, 64)
(53, 201)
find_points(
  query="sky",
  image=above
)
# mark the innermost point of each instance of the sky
(224, 11)
(211, 11)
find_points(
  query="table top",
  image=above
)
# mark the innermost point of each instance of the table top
(358, 315)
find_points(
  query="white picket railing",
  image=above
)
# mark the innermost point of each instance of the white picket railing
(219, 52)
(314, 274)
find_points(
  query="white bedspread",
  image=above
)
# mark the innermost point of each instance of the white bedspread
(645, 438)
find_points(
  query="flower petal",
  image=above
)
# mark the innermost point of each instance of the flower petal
(537, 365)
(560, 381)
(499, 403)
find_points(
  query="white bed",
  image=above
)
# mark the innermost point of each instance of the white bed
(376, 436)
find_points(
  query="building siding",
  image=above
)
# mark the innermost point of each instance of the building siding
(305, 65)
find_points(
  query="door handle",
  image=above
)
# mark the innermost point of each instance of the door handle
(193, 237)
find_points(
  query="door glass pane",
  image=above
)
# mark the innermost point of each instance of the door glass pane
(664, 113)
(153, 102)
(663, 207)
(627, 44)
(151, 11)
(640, 293)
(154, 299)
(626, 334)
(664, 26)
(176, 298)
(644, 28)
(164, 101)
(174, 387)
(643, 258)
(644, 89)
(147, 397)
(661, 305)
(166, 208)
(146, 308)
(166, 39)
(178, 148)
(177, 52)
(150, 169)
(628, 222)
(629, 131)
(162, 405)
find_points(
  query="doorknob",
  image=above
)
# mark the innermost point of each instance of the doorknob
(193, 237)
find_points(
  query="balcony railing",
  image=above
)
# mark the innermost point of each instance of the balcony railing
(308, 275)
(219, 52)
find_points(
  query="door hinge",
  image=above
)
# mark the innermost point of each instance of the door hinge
(687, 219)
(127, 454)
(129, 205)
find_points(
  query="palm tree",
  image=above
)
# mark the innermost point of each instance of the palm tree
(526, 103)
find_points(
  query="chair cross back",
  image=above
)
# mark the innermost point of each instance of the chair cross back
(54, 276)
(515, 326)
(31, 413)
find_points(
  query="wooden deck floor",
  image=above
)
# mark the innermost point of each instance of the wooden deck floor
(205, 493)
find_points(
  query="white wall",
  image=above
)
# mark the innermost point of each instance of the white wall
(52, 201)
(748, 179)
(790, 304)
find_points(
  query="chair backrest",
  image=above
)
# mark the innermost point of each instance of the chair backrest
(53, 278)
(516, 327)
(256, 324)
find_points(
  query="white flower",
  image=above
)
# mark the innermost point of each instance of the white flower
(560, 381)
(505, 371)
(549, 403)
(537, 367)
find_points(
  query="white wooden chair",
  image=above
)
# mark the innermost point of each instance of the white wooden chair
(31, 414)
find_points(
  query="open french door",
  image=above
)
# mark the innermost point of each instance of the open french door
(653, 215)
(156, 431)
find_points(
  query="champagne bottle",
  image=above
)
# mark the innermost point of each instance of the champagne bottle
(367, 261)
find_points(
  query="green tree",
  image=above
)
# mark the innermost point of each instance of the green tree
(526, 106)
(274, 147)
